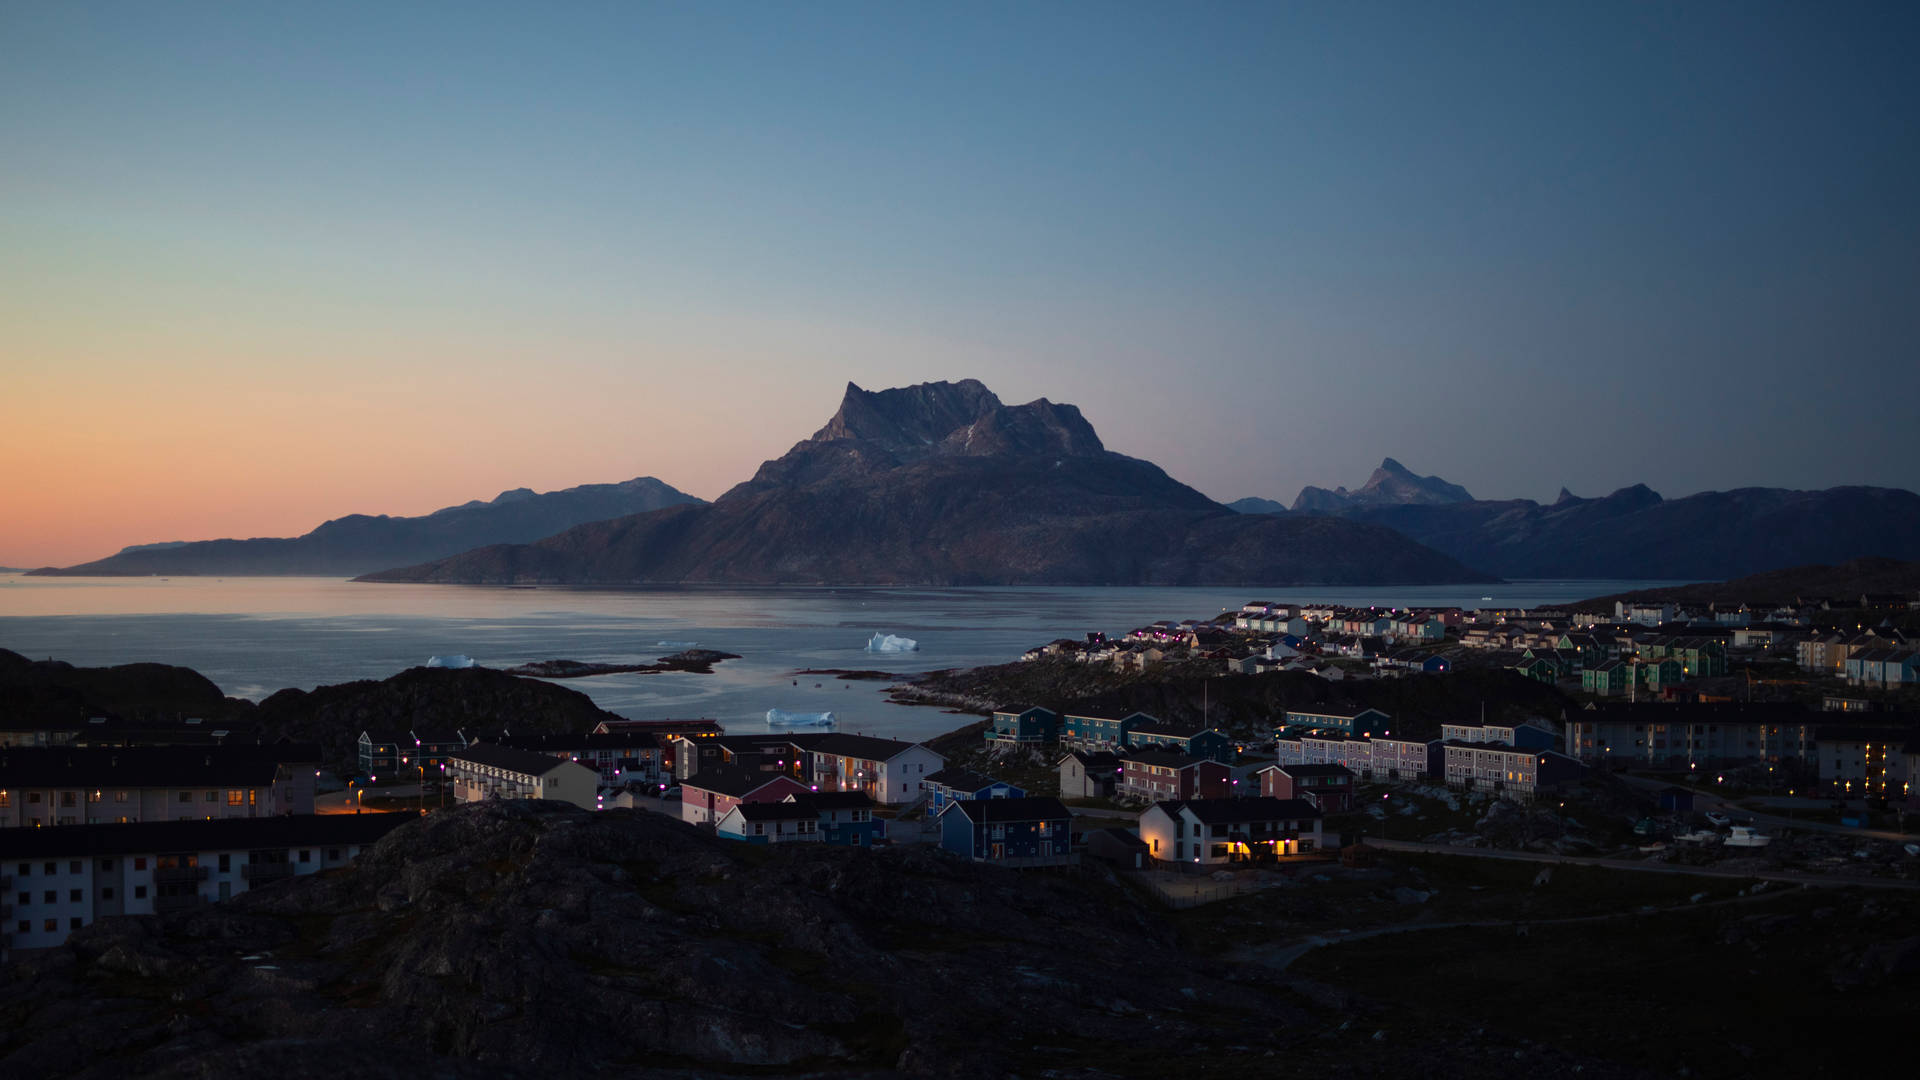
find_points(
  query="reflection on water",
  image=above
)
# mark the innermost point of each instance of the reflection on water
(252, 636)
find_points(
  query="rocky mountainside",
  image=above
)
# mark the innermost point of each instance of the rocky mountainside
(1392, 484)
(56, 692)
(1634, 533)
(941, 483)
(358, 543)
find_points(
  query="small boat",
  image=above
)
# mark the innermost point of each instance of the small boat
(1747, 836)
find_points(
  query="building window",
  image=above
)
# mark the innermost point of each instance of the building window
(213, 796)
(73, 896)
(226, 862)
(73, 867)
(306, 854)
(106, 893)
(139, 892)
(186, 796)
(51, 925)
(119, 796)
(236, 797)
(73, 923)
(140, 862)
(51, 869)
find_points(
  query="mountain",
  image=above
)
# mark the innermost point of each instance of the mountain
(358, 543)
(1392, 484)
(943, 484)
(1843, 584)
(1634, 533)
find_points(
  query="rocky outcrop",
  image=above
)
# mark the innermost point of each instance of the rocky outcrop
(537, 939)
(358, 543)
(943, 484)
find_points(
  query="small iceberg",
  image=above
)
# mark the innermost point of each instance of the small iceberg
(781, 718)
(890, 643)
(675, 644)
(457, 660)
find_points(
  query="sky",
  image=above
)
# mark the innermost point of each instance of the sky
(267, 264)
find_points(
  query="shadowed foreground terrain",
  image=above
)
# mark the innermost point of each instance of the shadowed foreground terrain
(522, 939)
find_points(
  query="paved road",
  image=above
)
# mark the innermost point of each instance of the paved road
(1646, 868)
(1705, 799)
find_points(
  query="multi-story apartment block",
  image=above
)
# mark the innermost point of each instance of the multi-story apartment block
(484, 771)
(889, 771)
(120, 785)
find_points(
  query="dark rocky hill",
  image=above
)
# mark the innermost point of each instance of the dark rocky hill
(476, 700)
(943, 484)
(58, 693)
(358, 543)
(1634, 533)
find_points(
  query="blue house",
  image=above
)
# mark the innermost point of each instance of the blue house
(1024, 725)
(1009, 832)
(954, 784)
(845, 817)
(1210, 744)
(1097, 731)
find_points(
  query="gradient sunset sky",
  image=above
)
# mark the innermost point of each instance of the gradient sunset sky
(266, 264)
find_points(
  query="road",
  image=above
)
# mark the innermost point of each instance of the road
(1705, 800)
(1787, 877)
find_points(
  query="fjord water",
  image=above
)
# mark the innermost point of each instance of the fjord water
(253, 636)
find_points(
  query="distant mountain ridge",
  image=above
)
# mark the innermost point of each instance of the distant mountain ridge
(942, 483)
(1392, 484)
(359, 543)
(1635, 533)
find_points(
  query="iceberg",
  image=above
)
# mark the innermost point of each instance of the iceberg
(784, 719)
(675, 644)
(457, 660)
(890, 643)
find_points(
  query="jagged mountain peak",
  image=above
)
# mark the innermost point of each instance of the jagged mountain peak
(1391, 484)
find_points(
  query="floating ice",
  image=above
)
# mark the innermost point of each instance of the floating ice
(890, 643)
(457, 660)
(783, 718)
(675, 644)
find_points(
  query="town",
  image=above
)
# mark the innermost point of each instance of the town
(1765, 742)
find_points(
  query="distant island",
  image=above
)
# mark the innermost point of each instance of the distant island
(1632, 533)
(697, 661)
(1843, 585)
(942, 484)
(358, 543)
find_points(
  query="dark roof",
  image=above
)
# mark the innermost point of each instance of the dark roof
(961, 779)
(1316, 770)
(1178, 731)
(1018, 709)
(506, 757)
(558, 743)
(1236, 811)
(836, 800)
(163, 836)
(735, 782)
(861, 746)
(149, 766)
(991, 811)
(1093, 759)
(778, 811)
(665, 726)
(1173, 758)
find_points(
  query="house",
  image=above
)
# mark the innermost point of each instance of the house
(665, 732)
(1606, 679)
(1009, 832)
(1866, 761)
(46, 786)
(706, 798)
(1883, 667)
(1101, 731)
(617, 757)
(1023, 725)
(1119, 848)
(953, 784)
(1525, 734)
(1210, 743)
(1225, 831)
(891, 772)
(786, 822)
(1351, 721)
(1153, 775)
(380, 749)
(484, 771)
(58, 880)
(846, 818)
(1406, 759)
(1089, 774)
(1507, 771)
(1329, 787)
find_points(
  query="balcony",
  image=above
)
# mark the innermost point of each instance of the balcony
(179, 875)
(178, 903)
(262, 872)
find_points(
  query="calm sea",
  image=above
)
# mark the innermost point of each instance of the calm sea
(253, 636)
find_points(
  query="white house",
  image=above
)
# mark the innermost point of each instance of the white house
(1221, 831)
(889, 771)
(484, 771)
(58, 880)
